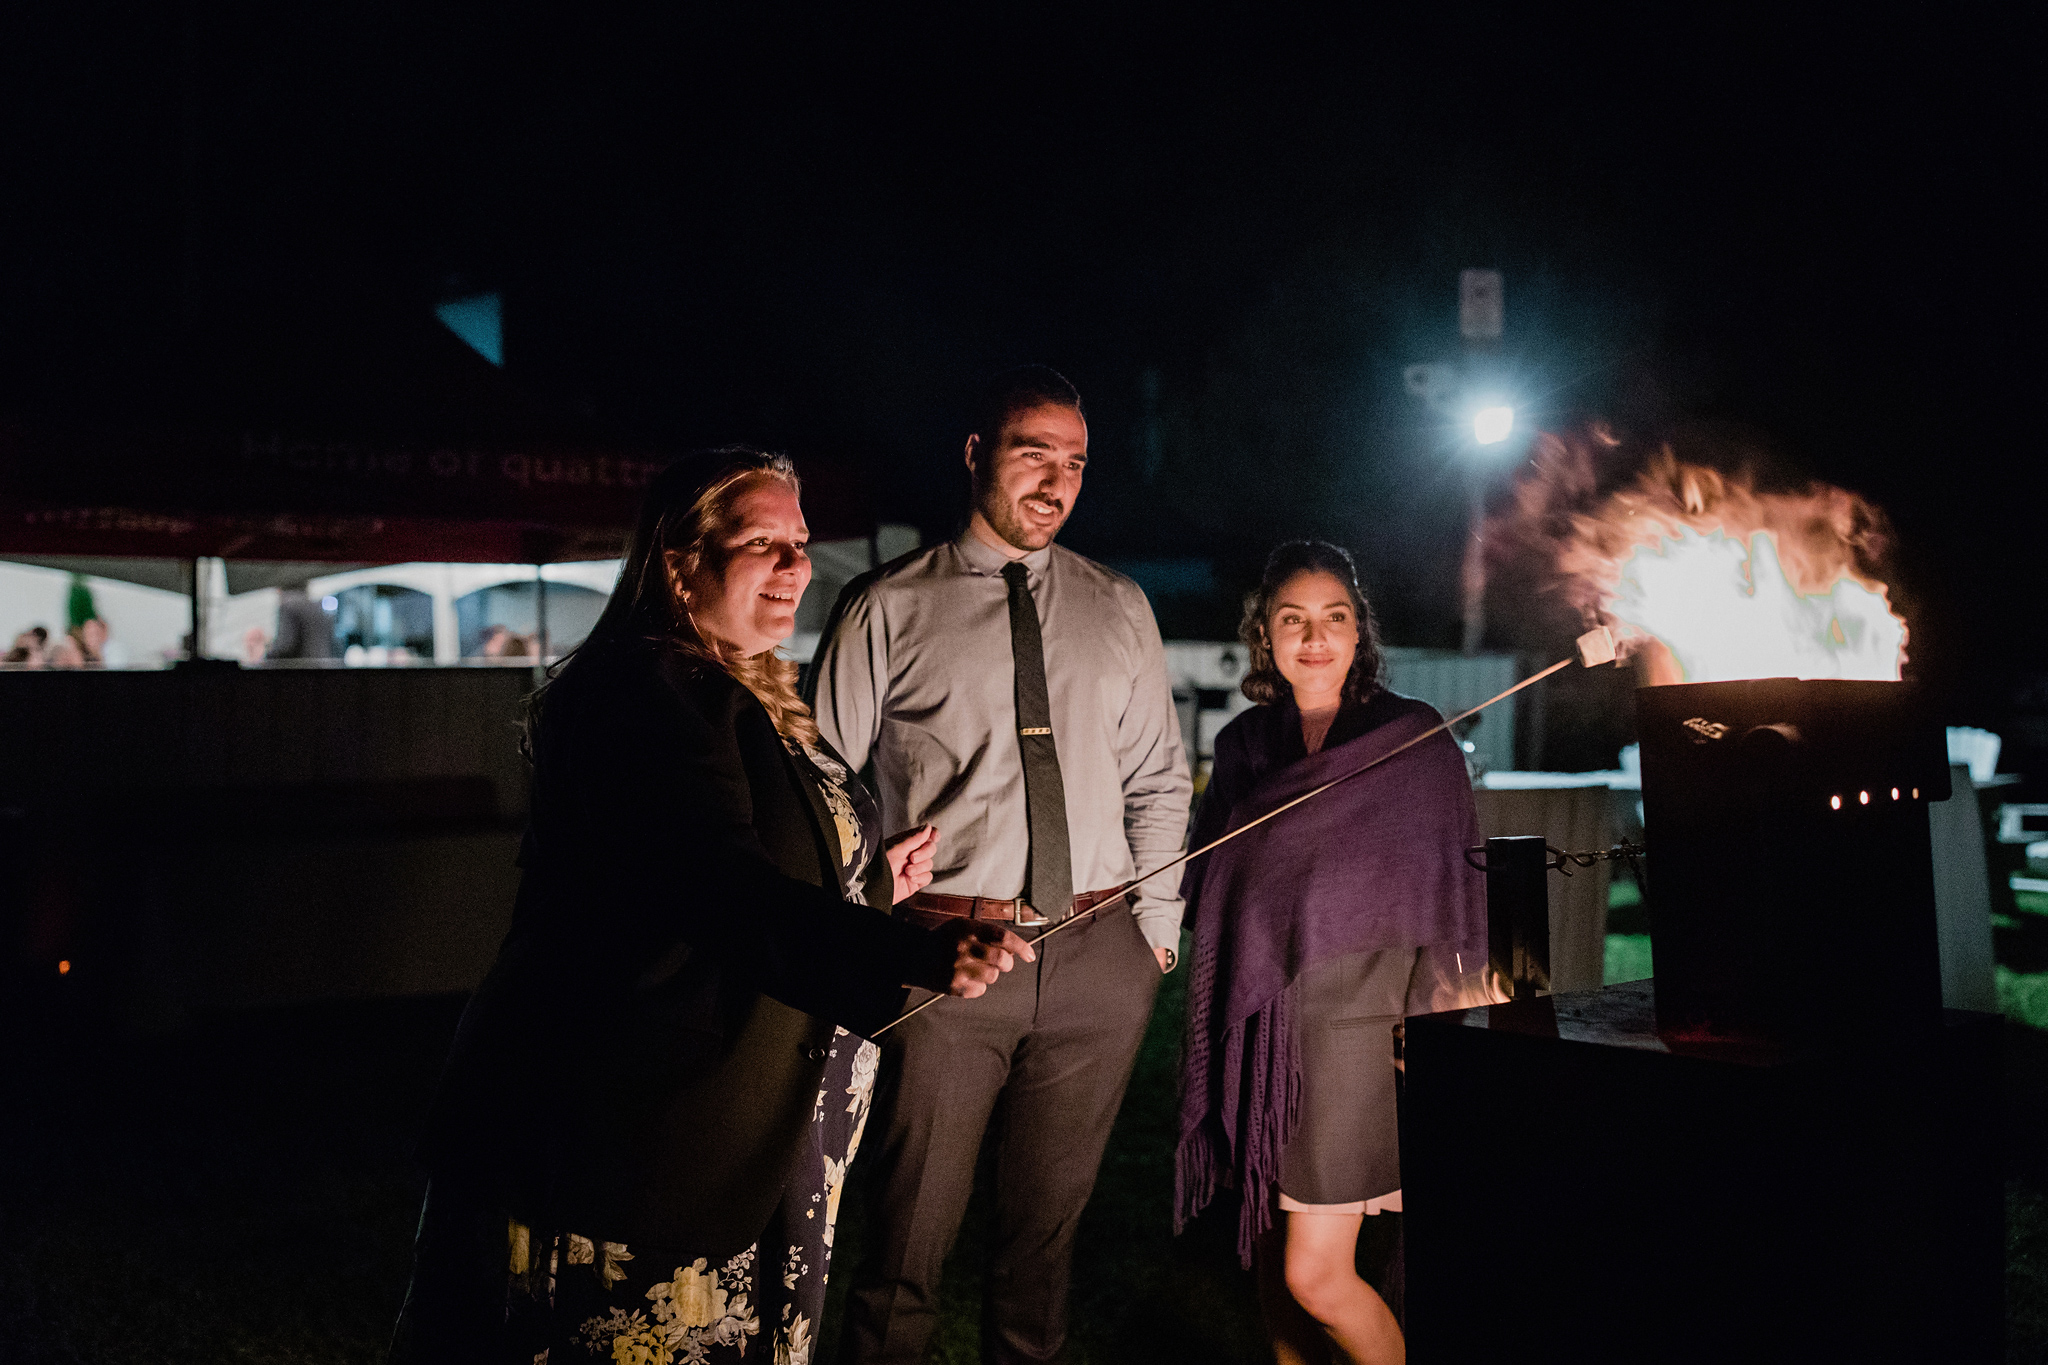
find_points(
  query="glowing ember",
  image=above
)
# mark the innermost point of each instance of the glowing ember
(1706, 579)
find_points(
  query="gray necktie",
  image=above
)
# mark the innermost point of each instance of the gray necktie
(1051, 874)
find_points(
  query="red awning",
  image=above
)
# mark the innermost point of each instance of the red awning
(380, 443)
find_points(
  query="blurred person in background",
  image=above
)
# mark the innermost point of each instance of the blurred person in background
(91, 635)
(29, 648)
(67, 652)
(501, 642)
(97, 637)
(1315, 935)
(647, 1114)
(304, 629)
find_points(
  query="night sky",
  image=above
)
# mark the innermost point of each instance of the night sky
(819, 231)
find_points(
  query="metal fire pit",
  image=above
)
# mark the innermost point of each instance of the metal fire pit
(1792, 884)
(1702, 1165)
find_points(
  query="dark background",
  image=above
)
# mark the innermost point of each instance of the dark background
(818, 231)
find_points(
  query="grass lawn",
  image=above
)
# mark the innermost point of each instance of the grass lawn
(1140, 1294)
(237, 1192)
(1628, 939)
(241, 1191)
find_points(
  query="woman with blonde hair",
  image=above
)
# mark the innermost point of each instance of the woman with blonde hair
(638, 1146)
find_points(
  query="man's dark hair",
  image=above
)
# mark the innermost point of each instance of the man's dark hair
(1014, 391)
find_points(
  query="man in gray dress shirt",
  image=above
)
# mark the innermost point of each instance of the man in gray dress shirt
(1014, 695)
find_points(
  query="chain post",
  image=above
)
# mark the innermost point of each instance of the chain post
(1518, 912)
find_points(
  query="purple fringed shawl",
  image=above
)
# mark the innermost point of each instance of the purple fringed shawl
(1375, 863)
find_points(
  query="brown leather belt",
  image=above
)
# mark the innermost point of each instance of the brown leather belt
(987, 907)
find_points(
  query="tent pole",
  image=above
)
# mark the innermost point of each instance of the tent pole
(198, 650)
(540, 615)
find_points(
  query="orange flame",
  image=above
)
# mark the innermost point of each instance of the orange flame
(1707, 578)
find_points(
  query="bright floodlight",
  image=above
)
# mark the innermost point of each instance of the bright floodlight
(1490, 426)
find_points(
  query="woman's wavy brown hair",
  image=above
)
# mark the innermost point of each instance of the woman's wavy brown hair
(1262, 680)
(688, 508)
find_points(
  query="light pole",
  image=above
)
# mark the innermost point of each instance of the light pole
(1482, 312)
(1460, 391)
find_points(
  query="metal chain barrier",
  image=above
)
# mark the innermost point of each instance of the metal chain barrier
(1562, 861)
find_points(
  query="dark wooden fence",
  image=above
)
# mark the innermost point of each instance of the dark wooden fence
(197, 840)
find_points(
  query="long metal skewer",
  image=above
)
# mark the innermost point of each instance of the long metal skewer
(1135, 882)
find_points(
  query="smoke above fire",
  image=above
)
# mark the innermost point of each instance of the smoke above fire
(1702, 576)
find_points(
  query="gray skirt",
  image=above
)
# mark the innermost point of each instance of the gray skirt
(1348, 1147)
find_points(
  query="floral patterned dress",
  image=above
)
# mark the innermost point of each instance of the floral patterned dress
(577, 1300)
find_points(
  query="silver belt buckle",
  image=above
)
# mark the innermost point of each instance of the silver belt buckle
(1036, 919)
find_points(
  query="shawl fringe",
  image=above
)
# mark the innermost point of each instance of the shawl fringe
(1259, 1074)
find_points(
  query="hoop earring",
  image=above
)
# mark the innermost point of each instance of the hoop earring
(697, 631)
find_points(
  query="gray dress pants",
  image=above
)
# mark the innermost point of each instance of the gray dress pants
(1042, 1059)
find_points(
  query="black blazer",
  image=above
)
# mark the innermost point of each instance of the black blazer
(643, 1058)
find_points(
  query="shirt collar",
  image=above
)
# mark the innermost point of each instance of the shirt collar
(984, 559)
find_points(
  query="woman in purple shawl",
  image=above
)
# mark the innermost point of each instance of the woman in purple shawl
(1315, 934)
